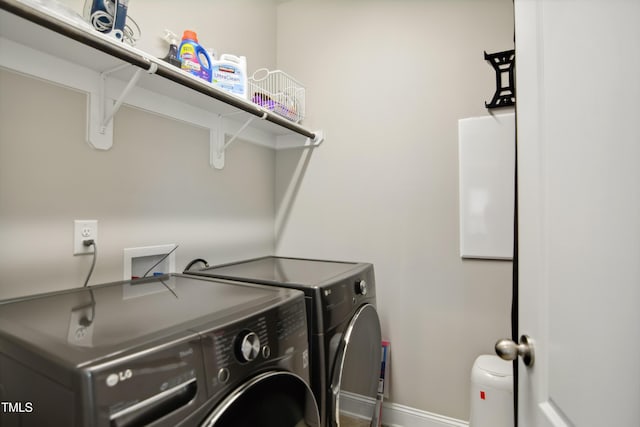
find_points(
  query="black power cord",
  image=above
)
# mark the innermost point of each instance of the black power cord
(87, 243)
(195, 261)
(85, 321)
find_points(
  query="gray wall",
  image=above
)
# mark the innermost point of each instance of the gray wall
(388, 81)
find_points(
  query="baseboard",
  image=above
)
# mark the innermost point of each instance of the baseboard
(395, 415)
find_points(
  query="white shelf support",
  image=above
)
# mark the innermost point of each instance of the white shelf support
(216, 144)
(219, 146)
(100, 117)
(315, 142)
(233, 138)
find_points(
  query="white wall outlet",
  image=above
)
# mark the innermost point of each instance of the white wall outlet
(84, 229)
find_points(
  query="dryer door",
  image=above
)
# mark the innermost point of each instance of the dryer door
(356, 370)
(267, 400)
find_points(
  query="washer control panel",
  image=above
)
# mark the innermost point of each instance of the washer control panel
(247, 346)
(233, 353)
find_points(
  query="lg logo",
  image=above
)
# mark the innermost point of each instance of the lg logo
(115, 378)
(17, 407)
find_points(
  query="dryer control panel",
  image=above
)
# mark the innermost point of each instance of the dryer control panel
(342, 298)
(235, 352)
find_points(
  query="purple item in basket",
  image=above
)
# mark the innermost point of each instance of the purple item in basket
(265, 101)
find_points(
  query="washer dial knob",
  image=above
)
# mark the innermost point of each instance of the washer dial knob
(361, 287)
(248, 346)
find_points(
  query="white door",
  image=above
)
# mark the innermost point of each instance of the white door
(578, 126)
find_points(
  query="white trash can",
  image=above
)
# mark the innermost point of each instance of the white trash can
(491, 392)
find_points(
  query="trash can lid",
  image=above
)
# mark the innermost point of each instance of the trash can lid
(494, 365)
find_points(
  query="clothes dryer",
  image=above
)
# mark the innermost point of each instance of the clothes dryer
(166, 351)
(343, 326)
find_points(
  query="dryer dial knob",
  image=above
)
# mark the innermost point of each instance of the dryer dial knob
(361, 287)
(248, 346)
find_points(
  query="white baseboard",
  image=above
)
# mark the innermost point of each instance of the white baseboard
(395, 415)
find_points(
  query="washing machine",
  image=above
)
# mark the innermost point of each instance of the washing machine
(166, 351)
(343, 327)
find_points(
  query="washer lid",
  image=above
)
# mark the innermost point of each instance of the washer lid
(273, 398)
(356, 365)
(81, 326)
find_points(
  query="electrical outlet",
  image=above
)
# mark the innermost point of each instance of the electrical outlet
(84, 229)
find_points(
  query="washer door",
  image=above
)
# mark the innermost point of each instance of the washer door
(357, 370)
(270, 399)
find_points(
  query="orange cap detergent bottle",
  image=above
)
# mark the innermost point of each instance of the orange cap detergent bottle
(194, 57)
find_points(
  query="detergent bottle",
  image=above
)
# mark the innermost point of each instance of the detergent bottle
(230, 74)
(194, 57)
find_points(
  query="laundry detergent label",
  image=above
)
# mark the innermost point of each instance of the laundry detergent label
(189, 58)
(229, 78)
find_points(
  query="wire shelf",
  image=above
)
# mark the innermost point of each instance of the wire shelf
(277, 92)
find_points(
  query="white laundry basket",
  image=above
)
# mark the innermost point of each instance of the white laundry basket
(491, 392)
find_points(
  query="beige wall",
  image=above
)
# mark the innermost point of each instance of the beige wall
(388, 81)
(155, 186)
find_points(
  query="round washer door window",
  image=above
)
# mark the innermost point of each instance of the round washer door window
(270, 399)
(357, 368)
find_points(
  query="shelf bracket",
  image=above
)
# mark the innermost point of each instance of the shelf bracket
(218, 146)
(100, 117)
(291, 142)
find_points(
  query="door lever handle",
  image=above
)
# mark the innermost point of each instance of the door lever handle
(509, 350)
